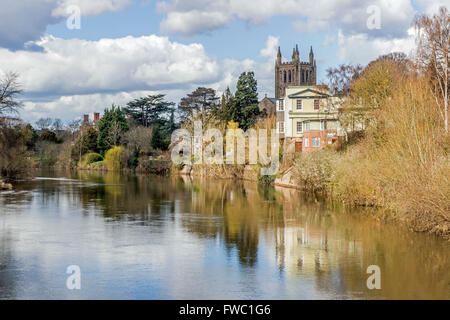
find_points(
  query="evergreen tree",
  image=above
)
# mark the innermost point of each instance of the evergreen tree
(246, 98)
(114, 116)
(200, 101)
(150, 110)
(227, 109)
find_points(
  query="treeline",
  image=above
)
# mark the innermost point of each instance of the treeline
(132, 137)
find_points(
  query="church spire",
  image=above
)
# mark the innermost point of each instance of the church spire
(311, 56)
(279, 56)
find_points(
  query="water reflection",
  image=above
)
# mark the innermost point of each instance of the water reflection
(153, 237)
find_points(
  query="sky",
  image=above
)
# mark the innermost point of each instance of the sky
(77, 57)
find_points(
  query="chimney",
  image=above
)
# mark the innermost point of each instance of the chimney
(96, 116)
(86, 118)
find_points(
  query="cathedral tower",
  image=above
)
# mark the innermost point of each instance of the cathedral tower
(294, 72)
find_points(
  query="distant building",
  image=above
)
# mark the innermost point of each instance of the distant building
(268, 104)
(294, 72)
(87, 122)
(308, 118)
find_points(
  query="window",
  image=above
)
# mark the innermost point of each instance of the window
(299, 127)
(316, 105)
(299, 104)
(316, 142)
(280, 105)
(306, 142)
(281, 126)
(323, 125)
(290, 76)
(307, 126)
(285, 77)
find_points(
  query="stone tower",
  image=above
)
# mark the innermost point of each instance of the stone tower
(294, 72)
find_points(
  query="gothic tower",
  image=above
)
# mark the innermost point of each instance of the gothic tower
(294, 72)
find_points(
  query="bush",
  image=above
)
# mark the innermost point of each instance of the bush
(314, 172)
(90, 158)
(115, 159)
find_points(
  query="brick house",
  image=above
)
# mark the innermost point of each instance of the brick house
(309, 119)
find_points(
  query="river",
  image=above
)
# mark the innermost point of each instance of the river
(141, 237)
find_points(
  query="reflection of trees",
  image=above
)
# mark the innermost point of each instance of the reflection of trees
(7, 268)
(310, 239)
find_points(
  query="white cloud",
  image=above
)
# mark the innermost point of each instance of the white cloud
(131, 63)
(73, 77)
(360, 48)
(26, 20)
(349, 15)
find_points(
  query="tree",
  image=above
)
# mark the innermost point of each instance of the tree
(44, 123)
(115, 115)
(246, 99)
(227, 110)
(9, 89)
(58, 125)
(158, 140)
(433, 39)
(369, 92)
(150, 110)
(341, 78)
(199, 102)
(86, 143)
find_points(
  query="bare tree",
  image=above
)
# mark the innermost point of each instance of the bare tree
(44, 123)
(433, 42)
(114, 135)
(58, 125)
(9, 89)
(341, 78)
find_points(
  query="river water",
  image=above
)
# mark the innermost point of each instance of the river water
(140, 237)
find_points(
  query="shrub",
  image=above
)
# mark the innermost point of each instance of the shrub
(314, 171)
(115, 159)
(89, 158)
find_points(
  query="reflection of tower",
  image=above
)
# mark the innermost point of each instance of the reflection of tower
(294, 72)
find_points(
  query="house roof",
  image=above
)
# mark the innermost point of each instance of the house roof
(316, 92)
(273, 100)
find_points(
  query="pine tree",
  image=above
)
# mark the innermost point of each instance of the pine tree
(114, 116)
(246, 99)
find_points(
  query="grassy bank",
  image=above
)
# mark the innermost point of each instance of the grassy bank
(401, 164)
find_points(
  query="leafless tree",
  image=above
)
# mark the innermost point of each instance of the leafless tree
(114, 135)
(433, 42)
(341, 78)
(44, 123)
(9, 89)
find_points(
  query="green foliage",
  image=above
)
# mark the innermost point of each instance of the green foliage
(49, 136)
(90, 158)
(14, 153)
(150, 110)
(30, 136)
(47, 152)
(199, 101)
(247, 100)
(112, 119)
(87, 142)
(115, 159)
(227, 110)
(159, 141)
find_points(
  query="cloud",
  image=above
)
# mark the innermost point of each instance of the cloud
(26, 20)
(72, 77)
(350, 16)
(109, 65)
(360, 48)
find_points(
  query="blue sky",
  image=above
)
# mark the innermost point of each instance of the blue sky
(129, 48)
